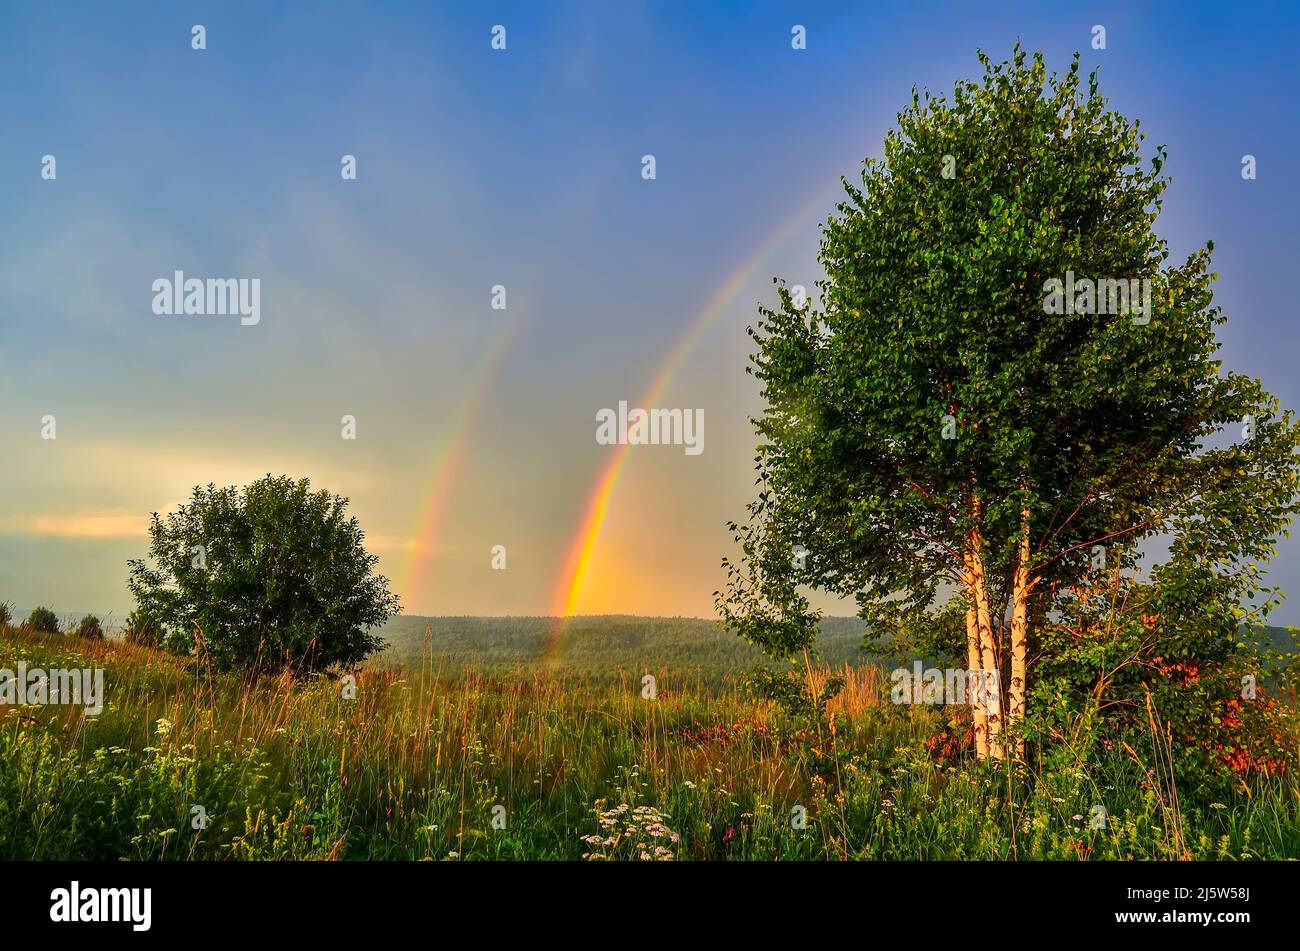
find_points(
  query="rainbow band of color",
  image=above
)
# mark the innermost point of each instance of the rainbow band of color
(568, 590)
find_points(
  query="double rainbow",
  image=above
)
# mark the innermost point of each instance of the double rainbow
(568, 588)
(451, 452)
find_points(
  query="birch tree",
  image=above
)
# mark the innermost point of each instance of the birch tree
(1005, 382)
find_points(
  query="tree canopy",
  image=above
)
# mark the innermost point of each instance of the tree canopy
(1006, 388)
(269, 576)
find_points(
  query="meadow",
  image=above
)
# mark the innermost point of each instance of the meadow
(436, 760)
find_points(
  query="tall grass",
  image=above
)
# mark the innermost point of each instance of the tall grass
(414, 766)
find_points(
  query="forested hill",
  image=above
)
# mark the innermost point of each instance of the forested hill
(600, 642)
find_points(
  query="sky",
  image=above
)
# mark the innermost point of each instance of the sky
(520, 168)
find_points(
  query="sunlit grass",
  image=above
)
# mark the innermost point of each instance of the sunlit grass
(414, 766)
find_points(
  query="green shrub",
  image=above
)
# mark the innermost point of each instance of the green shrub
(1162, 673)
(90, 627)
(43, 620)
(267, 577)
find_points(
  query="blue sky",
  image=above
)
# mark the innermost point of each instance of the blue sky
(519, 168)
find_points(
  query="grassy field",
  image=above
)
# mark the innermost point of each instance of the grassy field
(597, 643)
(432, 760)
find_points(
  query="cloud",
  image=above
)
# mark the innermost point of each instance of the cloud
(101, 524)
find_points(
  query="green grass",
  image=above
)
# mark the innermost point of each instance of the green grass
(412, 768)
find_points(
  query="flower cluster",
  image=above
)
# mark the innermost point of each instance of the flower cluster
(638, 832)
(1252, 739)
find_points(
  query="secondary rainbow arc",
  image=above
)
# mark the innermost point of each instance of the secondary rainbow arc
(449, 459)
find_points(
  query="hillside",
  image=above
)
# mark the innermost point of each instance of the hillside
(599, 643)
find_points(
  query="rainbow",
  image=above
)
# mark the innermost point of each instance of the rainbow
(569, 586)
(449, 458)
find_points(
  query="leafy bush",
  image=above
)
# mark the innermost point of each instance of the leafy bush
(267, 577)
(142, 628)
(6, 614)
(1161, 674)
(44, 621)
(90, 627)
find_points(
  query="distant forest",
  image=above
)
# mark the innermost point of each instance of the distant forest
(599, 642)
(606, 643)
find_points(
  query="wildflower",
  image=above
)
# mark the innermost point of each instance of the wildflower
(635, 829)
(162, 727)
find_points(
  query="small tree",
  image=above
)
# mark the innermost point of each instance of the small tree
(43, 621)
(6, 614)
(265, 577)
(90, 627)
